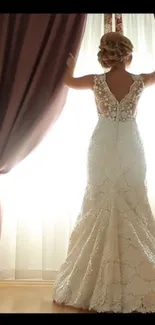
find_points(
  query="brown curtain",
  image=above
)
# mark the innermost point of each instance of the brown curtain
(107, 23)
(33, 53)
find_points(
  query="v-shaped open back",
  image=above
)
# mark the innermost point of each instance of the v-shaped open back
(127, 94)
(109, 106)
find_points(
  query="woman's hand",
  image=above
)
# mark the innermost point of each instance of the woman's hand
(71, 61)
(85, 82)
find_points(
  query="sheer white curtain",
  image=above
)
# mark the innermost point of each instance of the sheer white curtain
(42, 196)
(140, 29)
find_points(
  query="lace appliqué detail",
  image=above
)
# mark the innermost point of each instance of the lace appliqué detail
(108, 275)
(109, 106)
(110, 266)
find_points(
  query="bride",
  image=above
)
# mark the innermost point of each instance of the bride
(110, 265)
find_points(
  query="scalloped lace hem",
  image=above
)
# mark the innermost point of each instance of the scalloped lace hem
(139, 307)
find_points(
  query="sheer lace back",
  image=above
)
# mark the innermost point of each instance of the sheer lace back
(109, 106)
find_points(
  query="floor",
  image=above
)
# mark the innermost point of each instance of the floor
(30, 299)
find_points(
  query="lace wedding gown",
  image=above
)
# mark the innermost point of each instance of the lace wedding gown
(110, 265)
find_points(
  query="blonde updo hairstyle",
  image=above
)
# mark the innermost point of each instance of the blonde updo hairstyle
(114, 49)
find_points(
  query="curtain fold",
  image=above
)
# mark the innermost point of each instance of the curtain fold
(118, 23)
(34, 49)
(107, 23)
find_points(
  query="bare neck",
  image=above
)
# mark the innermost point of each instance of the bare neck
(120, 66)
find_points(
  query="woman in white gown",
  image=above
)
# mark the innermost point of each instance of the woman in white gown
(110, 265)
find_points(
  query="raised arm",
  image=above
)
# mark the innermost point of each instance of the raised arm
(149, 79)
(85, 82)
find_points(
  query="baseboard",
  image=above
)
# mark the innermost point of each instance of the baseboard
(25, 283)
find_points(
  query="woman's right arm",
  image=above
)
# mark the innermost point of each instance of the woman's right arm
(85, 82)
(148, 78)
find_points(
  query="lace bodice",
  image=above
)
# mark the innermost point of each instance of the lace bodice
(109, 106)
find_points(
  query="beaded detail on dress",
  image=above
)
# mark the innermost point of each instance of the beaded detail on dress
(109, 106)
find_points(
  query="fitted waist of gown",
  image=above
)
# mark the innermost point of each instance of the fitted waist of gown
(107, 127)
(116, 143)
(118, 119)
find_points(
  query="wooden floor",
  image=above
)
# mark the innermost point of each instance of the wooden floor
(30, 299)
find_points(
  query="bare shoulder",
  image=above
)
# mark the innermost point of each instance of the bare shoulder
(148, 79)
(84, 82)
(88, 81)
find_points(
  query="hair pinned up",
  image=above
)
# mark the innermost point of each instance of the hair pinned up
(114, 48)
